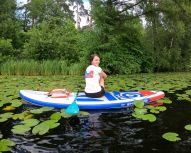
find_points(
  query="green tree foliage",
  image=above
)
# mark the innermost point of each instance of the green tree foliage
(52, 41)
(117, 39)
(44, 30)
(167, 34)
(9, 24)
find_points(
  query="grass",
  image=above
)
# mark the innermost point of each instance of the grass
(45, 68)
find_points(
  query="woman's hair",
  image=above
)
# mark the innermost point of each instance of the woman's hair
(92, 57)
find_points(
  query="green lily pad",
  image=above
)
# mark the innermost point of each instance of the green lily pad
(63, 113)
(56, 116)
(139, 116)
(41, 110)
(139, 103)
(21, 116)
(188, 92)
(20, 129)
(188, 127)
(83, 114)
(40, 129)
(165, 101)
(1, 136)
(140, 111)
(149, 117)
(6, 115)
(30, 122)
(16, 103)
(51, 123)
(3, 119)
(44, 127)
(161, 108)
(5, 145)
(154, 111)
(170, 136)
(45, 109)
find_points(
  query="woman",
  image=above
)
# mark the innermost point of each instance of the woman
(94, 77)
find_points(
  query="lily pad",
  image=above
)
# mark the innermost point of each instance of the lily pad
(41, 110)
(170, 136)
(9, 108)
(56, 116)
(44, 127)
(83, 114)
(64, 114)
(22, 115)
(20, 129)
(40, 129)
(30, 122)
(5, 145)
(1, 136)
(165, 100)
(139, 103)
(149, 117)
(140, 110)
(16, 103)
(188, 127)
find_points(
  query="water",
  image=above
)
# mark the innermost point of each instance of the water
(113, 131)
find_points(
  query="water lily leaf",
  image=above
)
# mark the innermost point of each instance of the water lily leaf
(154, 111)
(149, 117)
(188, 92)
(21, 116)
(9, 108)
(36, 111)
(6, 115)
(161, 108)
(41, 110)
(139, 103)
(16, 103)
(140, 110)
(20, 129)
(30, 122)
(3, 119)
(1, 136)
(170, 136)
(188, 127)
(40, 129)
(30, 116)
(165, 100)
(63, 113)
(5, 145)
(56, 116)
(83, 114)
(51, 123)
(139, 116)
(45, 109)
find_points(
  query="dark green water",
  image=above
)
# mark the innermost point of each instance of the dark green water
(111, 132)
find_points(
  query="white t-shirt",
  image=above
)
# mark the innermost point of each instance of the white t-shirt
(92, 78)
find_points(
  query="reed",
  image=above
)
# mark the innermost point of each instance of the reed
(46, 68)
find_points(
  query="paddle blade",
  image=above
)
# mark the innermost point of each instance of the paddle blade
(72, 108)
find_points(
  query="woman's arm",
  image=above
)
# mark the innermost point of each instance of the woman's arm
(103, 75)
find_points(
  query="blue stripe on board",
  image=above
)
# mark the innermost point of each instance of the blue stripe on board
(88, 99)
(109, 96)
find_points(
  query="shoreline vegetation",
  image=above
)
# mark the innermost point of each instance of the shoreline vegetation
(53, 67)
(44, 68)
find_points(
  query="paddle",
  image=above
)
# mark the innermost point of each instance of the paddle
(73, 108)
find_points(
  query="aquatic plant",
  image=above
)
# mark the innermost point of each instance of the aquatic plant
(6, 144)
(171, 136)
(188, 127)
